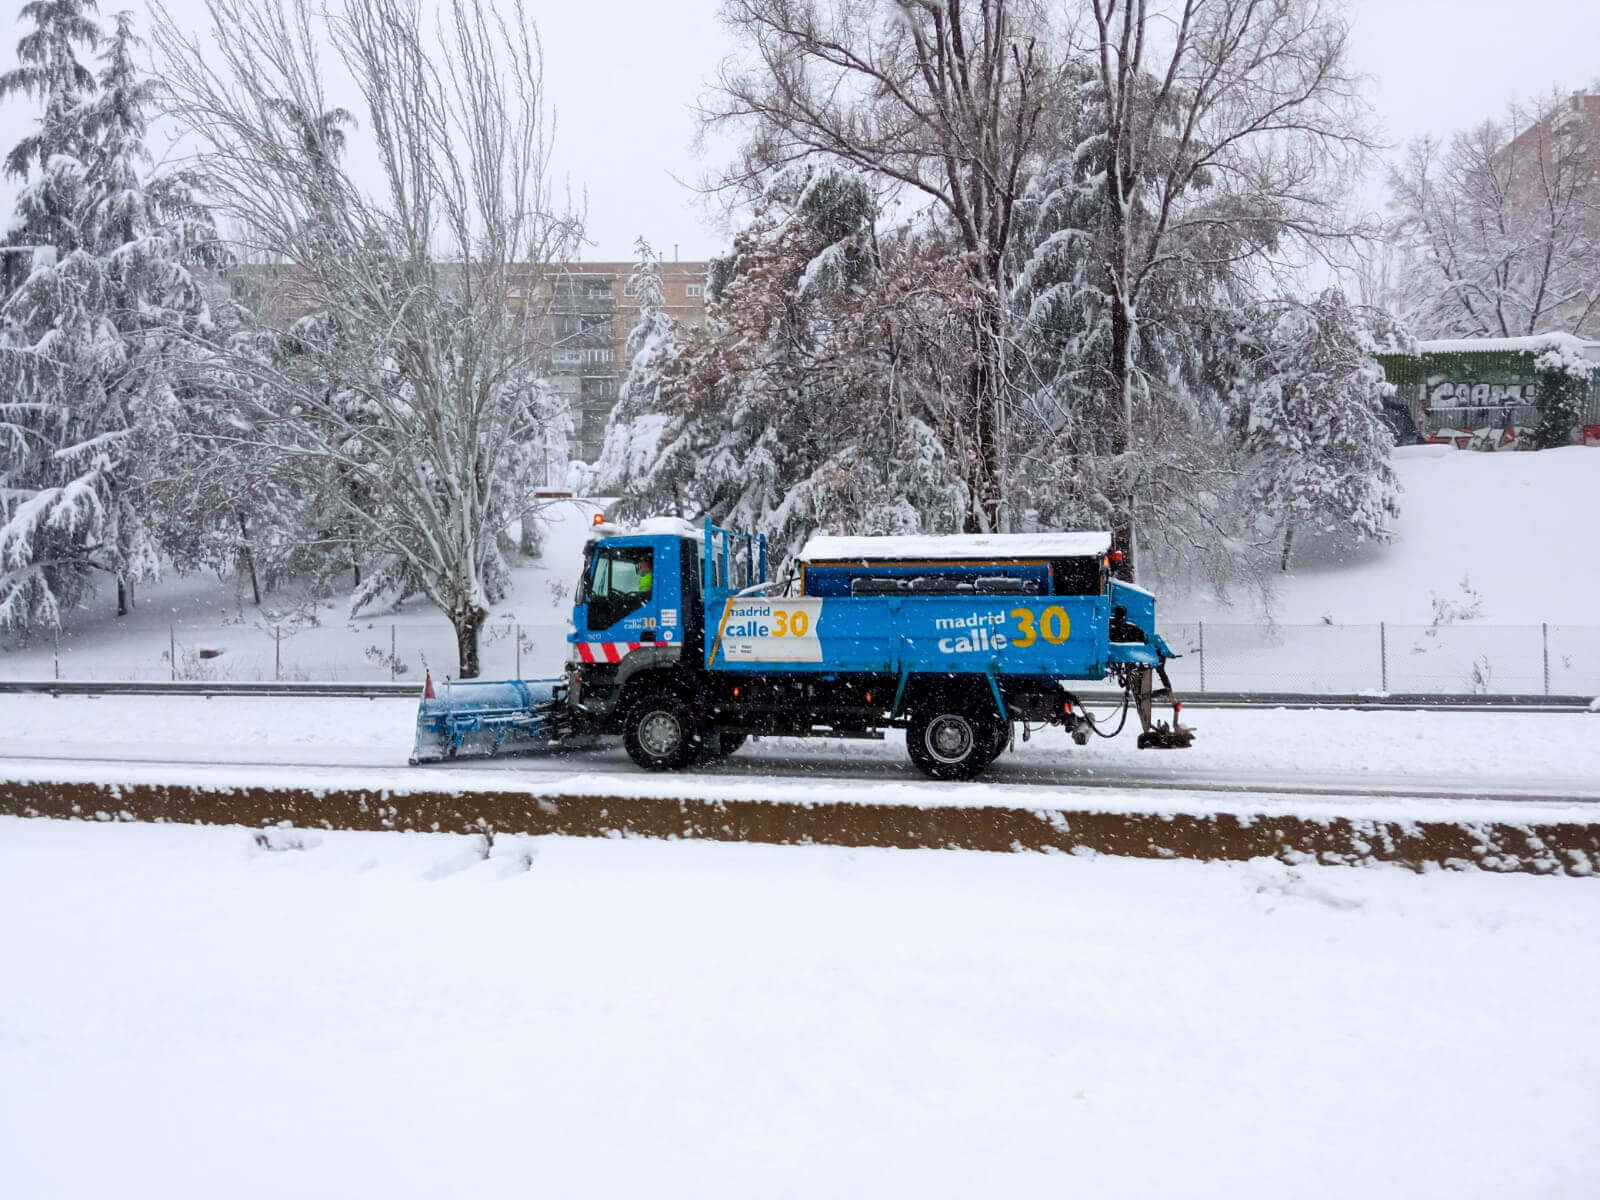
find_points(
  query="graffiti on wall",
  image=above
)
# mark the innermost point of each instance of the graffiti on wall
(1481, 395)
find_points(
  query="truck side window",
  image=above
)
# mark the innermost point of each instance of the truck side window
(623, 581)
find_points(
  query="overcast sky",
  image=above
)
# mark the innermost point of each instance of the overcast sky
(625, 75)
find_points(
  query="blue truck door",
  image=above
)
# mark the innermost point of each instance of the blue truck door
(631, 592)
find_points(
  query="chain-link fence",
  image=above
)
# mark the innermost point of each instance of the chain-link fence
(1467, 658)
(1461, 657)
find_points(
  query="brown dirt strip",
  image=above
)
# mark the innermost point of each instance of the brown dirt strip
(1566, 847)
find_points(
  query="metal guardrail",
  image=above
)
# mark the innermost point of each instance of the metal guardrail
(62, 687)
(1434, 702)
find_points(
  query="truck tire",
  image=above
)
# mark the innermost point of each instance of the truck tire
(717, 746)
(660, 732)
(1000, 738)
(950, 740)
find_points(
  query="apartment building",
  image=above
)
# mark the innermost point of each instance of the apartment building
(590, 311)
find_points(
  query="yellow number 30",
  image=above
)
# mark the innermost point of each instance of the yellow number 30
(784, 623)
(1054, 625)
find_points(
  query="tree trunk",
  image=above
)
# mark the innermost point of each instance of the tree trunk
(1122, 440)
(986, 394)
(468, 622)
(528, 536)
(1288, 542)
(122, 596)
(1118, 188)
(355, 567)
(247, 558)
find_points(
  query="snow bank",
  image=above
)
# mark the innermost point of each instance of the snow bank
(194, 1014)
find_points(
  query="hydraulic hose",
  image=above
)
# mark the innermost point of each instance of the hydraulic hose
(1094, 727)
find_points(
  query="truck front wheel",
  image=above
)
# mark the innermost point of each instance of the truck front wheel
(946, 742)
(660, 732)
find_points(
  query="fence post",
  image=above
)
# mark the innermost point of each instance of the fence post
(1202, 625)
(1383, 657)
(391, 652)
(277, 653)
(172, 652)
(517, 633)
(1544, 631)
(58, 657)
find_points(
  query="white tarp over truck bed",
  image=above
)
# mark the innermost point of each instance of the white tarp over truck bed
(953, 547)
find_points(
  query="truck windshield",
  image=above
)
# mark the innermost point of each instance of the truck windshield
(620, 582)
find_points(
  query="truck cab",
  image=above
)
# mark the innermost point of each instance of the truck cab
(637, 607)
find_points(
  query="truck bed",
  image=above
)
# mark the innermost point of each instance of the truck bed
(1063, 637)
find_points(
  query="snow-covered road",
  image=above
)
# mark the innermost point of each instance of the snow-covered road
(1272, 752)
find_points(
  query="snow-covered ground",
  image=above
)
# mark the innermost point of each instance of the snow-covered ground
(1348, 752)
(1518, 527)
(188, 1014)
(1489, 585)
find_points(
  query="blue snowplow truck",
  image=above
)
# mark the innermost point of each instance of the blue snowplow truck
(683, 646)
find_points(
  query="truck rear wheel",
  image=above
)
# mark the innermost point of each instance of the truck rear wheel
(716, 746)
(948, 741)
(660, 732)
(1000, 738)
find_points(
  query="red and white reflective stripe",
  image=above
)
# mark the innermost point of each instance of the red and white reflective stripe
(611, 652)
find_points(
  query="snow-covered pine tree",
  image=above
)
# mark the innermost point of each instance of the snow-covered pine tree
(100, 330)
(46, 159)
(638, 424)
(43, 567)
(215, 501)
(1071, 465)
(1564, 376)
(1308, 400)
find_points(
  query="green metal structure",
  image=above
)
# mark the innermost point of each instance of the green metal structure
(1452, 390)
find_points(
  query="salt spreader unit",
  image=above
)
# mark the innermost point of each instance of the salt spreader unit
(685, 647)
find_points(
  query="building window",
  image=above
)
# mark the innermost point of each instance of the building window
(599, 291)
(695, 289)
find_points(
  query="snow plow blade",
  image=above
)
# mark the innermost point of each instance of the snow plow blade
(477, 717)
